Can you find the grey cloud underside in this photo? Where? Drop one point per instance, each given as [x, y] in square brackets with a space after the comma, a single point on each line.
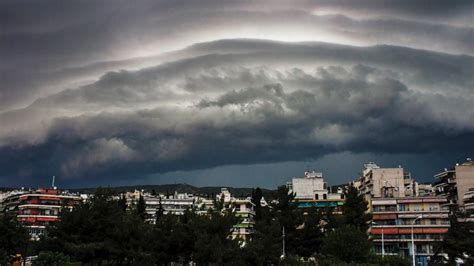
[252, 102]
[48, 46]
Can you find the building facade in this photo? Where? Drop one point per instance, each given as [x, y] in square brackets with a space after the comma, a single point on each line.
[244, 210]
[378, 182]
[394, 219]
[175, 203]
[312, 191]
[455, 183]
[40, 208]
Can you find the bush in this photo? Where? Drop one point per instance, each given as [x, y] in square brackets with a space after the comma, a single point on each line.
[347, 244]
[48, 258]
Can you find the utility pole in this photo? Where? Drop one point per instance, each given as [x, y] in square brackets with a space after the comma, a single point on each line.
[413, 240]
[283, 255]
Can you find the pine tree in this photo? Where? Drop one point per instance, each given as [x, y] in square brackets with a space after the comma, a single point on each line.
[123, 202]
[159, 212]
[458, 242]
[256, 198]
[355, 209]
[141, 207]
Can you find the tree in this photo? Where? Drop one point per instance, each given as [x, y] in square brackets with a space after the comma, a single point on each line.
[266, 245]
[48, 258]
[213, 244]
[14, 238]
[141, 208]
[458, 242]
[256, 198]
[123, 202]
[348, 243]
[311, 235]
[98, 231]
[288, 215]
[355, 209]
[159, 211]
[219, 203]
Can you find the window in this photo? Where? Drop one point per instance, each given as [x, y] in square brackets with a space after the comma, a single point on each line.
[316, 196]
[325, 196]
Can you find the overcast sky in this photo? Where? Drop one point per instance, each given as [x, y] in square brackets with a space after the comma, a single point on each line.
[231, 93]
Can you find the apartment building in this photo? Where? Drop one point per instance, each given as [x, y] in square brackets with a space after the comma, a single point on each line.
[312, 191]
[175, 203]
[244, 210]
[9, 200]
[395, 219]
[378, 182]
[37, 209]
[455, 183]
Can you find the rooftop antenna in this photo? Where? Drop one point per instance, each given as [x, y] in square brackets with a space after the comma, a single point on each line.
[52, 184]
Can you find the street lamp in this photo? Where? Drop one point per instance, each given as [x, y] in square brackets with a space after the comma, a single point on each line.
[413, 239]
[283, 253]
[383, 247]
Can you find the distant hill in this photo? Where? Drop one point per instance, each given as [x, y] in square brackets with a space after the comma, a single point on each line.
[180, 188]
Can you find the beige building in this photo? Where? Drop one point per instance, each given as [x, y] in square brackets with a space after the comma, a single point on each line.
[456, 182]
[378, 182]
[395, 219]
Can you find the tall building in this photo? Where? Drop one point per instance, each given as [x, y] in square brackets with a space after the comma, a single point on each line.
[38, 209]
[312, 191]
[395, 218]
[455, 182]
[468, 201]
[244, 210]
[378, 182]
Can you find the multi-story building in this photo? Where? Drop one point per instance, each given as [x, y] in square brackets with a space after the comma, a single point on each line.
[377, 182]
[425, 190]
[468, 201]
[312, 191]
[175, 203]
[394, 220]
[37, 209]
[455, 183]
[244, 210]
[9, 201]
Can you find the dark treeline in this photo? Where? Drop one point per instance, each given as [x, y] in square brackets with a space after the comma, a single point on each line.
[103, 231]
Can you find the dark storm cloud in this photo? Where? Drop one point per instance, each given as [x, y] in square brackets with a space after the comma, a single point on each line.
[91, 89]
[46, 46]
[254, 102]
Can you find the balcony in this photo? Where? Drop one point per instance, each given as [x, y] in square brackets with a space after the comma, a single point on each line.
[239, 212]
[469, 206]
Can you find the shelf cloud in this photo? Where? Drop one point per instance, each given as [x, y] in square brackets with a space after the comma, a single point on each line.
[110, 93]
